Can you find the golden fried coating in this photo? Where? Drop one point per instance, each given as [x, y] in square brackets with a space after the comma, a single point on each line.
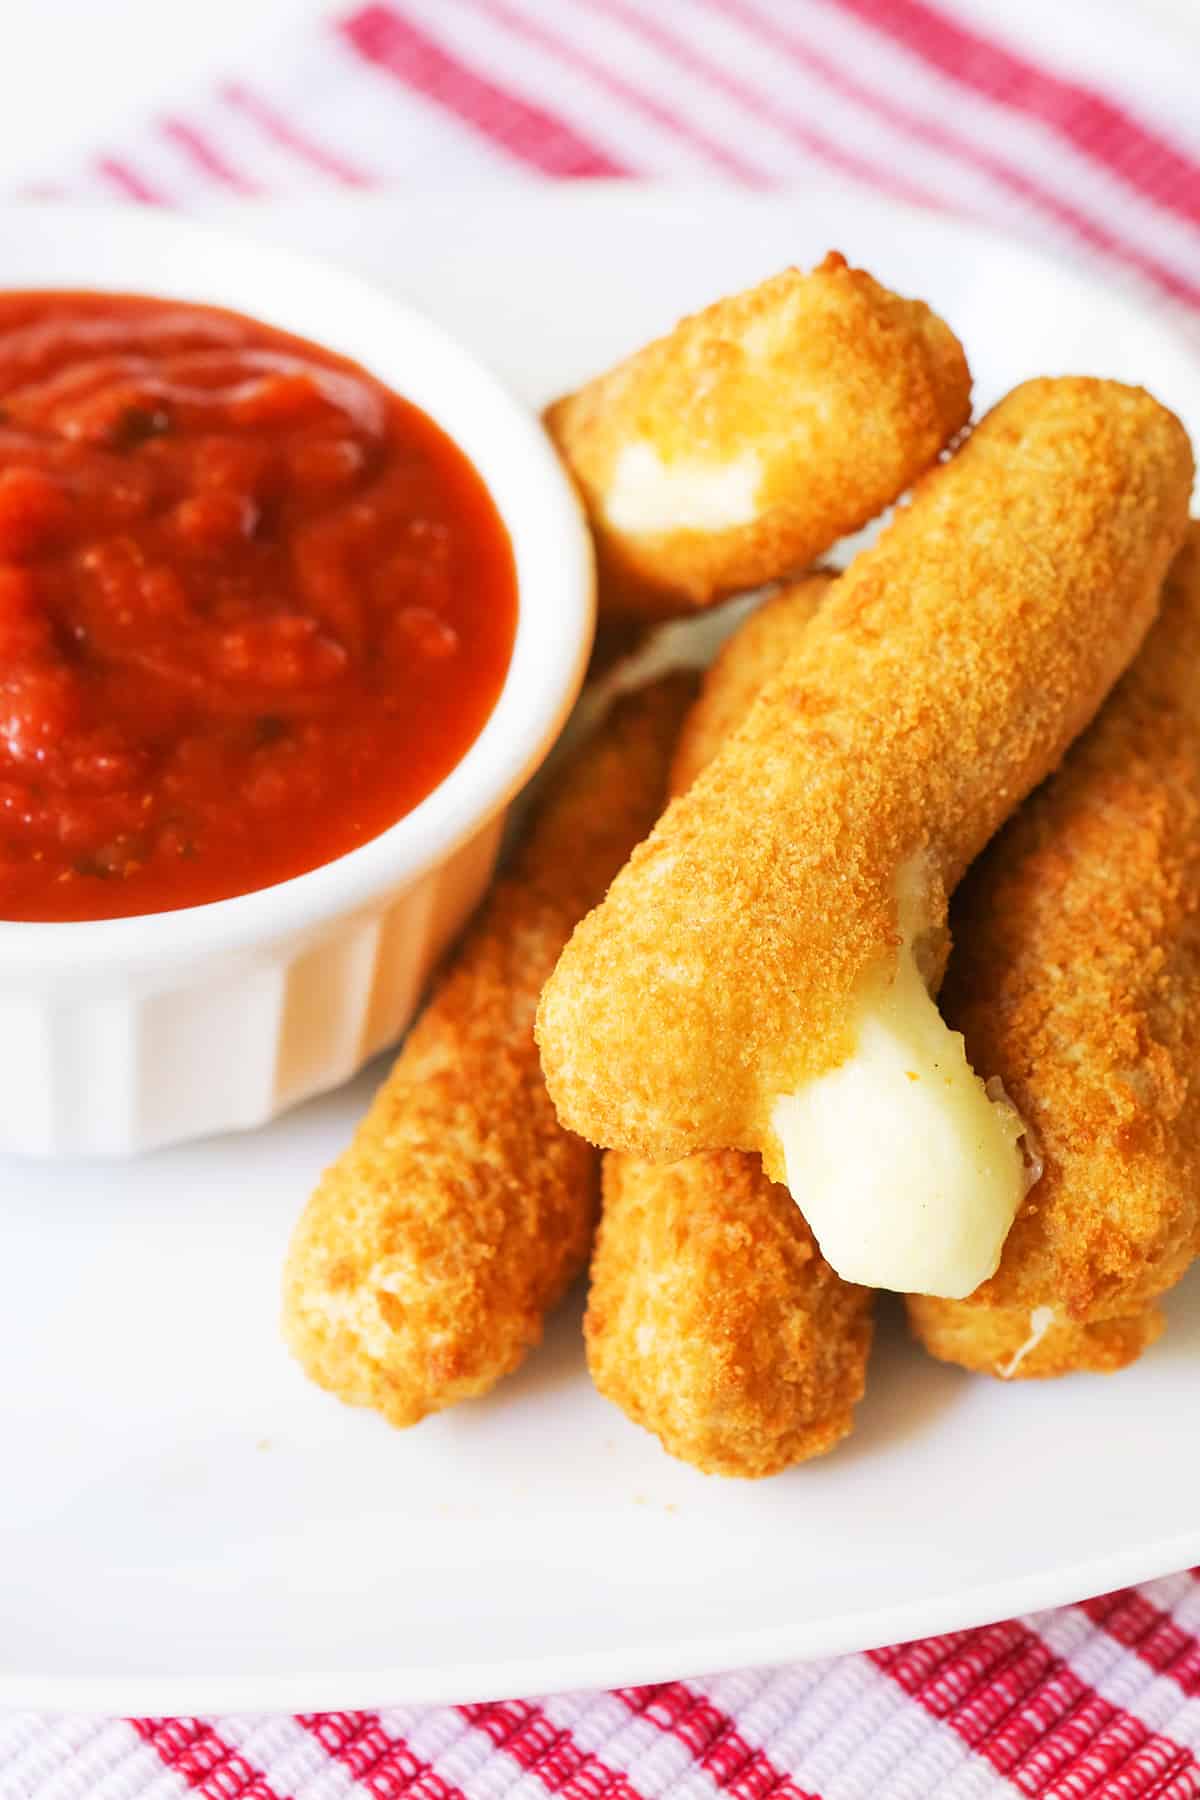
[741, 670]
[1006, 1341]
[1077, 980]
[713, 1320]
[736, 449]
[944, 677]
[420, 1271]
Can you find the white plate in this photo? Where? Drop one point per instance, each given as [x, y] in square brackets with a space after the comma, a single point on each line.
[187, 1526]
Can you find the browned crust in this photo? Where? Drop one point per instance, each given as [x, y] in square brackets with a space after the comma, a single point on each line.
[990, 1340]
[845, 391]
[741, 669]
[419, 1273]
[1077, 980]
[714, 1321]
[945, 676]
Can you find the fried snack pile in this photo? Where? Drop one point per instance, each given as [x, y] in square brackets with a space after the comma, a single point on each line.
[740, 446]
[419, 1274]
[757, 976]
[748, 1008]
[1077, 980]
[713, 1320]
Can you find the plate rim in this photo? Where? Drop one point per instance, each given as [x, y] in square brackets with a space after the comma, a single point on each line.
[528, 1677]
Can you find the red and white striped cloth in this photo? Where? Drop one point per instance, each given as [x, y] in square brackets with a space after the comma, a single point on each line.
[1095, 1702]
[1079, 129]
[911, 97]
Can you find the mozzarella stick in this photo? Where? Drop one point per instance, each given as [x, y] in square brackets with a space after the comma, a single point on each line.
[736, 449]
[758, 975]
[741, 669]
[1022, 1342]
[419, 1274]
[712, 1319]
[1077, 980]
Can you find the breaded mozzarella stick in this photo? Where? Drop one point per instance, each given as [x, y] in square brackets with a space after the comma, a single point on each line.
[741, 669]
[1076, 979]
[713, 1320]
[737, 448]
[419, 1273]
[757, 976]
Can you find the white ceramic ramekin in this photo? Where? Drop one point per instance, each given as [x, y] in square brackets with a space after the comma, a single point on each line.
[120, 1035]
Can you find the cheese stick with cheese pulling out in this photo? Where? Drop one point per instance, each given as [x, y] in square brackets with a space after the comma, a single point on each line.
[758, 976]
[1076, 979]
[739, 447]
[713, 1320]
[421, 1270]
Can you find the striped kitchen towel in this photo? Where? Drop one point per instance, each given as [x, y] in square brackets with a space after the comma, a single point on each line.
[1091, 1702]
[1080, 131]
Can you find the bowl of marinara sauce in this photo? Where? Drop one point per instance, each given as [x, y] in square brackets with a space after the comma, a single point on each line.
[293, 599]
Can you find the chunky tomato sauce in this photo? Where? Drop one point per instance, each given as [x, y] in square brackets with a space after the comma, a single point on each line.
[253, 606]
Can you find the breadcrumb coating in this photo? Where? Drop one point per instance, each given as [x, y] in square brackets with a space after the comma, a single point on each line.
[945, 676]
[742, 668]
[713, 1319]
[1001, 1341]
[823, 395]
[1077, 980]
[420, 1271]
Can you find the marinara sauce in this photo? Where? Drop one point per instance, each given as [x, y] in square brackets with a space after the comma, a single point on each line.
[253, 605]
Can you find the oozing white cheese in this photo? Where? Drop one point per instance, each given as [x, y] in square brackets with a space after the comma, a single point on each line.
[1040, 1321]
[647, 495]
[908, 1174]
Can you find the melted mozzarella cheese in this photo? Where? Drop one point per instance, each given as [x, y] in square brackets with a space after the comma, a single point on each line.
[908, 1173]
[648, 496]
